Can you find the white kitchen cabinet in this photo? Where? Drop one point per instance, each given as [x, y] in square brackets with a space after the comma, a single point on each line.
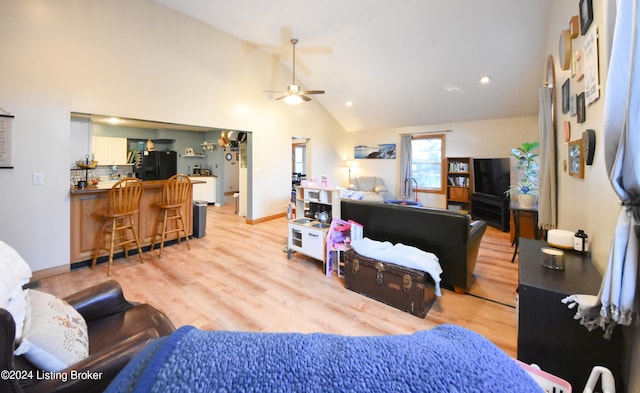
[109, 150]
[204, 191]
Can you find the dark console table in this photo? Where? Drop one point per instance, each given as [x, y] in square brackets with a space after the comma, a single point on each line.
[492, 209]
[547, 333]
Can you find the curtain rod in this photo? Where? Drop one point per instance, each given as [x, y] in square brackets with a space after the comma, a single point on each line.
[426, 133]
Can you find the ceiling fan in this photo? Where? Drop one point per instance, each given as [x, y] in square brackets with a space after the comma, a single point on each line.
[293, 95]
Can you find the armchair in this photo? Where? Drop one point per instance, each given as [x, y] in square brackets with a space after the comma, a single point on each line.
[371, 187]
[117, 330]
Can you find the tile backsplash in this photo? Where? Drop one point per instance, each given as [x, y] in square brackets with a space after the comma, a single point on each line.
[102, 172]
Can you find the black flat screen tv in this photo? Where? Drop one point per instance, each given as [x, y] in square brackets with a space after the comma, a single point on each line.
[491, 176]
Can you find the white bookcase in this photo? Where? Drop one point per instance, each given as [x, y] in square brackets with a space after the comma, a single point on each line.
[307, 233]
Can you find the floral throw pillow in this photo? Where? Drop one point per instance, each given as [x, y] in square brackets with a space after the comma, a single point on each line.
[55, 334]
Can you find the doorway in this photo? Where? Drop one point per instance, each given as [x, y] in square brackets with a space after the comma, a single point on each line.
[236, 163]
[299, 163]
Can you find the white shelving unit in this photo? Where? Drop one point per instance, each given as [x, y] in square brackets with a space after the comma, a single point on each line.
[307, 233]
[312, 199]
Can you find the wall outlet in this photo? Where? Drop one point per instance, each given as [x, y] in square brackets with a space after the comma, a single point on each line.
[37, 178]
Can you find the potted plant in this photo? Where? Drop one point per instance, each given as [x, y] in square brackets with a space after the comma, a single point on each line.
[527, 187]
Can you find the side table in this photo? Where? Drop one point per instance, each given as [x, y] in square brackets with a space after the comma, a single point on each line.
[516, 210]
[547, 333]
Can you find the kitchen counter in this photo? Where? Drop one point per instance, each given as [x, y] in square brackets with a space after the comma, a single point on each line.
[106, 186]
[86, 223]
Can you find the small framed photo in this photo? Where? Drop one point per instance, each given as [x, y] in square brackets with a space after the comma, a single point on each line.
[579, 56]
[566, 93]
[576, 159]
[580, 109]
[573, 109]
[586, 15]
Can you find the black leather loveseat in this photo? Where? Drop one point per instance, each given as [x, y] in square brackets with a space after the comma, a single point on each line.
[451, 236]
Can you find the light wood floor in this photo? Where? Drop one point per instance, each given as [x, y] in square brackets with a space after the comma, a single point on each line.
[237, 277]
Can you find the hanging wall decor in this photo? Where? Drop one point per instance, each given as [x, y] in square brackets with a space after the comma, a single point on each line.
[6, 159]
[588, 146]
[386, 150]
[586, 15]
[579, 58]
[580, 108]
[566, 93]
[591, 77]
[576, 159]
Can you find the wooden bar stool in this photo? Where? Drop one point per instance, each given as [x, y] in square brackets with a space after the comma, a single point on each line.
[174, 194]
[123, 202]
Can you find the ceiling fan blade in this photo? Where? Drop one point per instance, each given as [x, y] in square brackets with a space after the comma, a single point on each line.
[304, 97]
[275, 91]
[281, 97]
[313, 92]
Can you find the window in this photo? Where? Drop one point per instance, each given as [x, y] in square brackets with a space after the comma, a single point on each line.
[427, 157]
[299, 153]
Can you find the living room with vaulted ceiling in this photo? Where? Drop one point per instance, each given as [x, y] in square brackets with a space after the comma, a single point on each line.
[142, 60]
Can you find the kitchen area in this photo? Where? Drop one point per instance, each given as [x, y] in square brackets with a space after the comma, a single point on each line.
[105, 150]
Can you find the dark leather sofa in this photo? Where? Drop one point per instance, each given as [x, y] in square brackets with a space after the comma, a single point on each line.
[118, 330]
[451, 236]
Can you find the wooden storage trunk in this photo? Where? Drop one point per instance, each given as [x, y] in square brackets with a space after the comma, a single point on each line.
[407, 289]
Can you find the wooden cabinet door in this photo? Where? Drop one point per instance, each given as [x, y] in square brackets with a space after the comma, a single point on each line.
[86, 224]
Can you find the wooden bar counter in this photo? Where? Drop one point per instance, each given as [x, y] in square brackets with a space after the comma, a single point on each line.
[87, 204]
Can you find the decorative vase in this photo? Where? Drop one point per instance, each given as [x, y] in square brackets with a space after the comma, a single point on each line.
[526, 200]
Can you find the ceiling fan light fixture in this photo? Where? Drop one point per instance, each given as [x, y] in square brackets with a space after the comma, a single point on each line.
[293, 95]
[293, 99]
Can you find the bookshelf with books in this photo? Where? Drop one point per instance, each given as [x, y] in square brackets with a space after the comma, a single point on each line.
[459, 181]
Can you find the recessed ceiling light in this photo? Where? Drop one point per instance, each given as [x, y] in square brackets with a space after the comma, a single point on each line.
[349, 103]
[485, 79]
[453, 89]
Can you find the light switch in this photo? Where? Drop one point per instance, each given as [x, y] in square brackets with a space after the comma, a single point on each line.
[37, 178]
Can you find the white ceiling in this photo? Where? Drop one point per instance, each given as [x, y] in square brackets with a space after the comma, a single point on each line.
[401, 62]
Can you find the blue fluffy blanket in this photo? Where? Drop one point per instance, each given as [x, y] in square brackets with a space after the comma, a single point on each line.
[445, 359]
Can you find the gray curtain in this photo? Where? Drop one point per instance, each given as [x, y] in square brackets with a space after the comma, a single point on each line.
[405, 165]
[614, 303]
[547, 197]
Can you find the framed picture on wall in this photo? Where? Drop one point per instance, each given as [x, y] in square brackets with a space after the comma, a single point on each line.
[591, 75]
[580, 109]
[586, 15]
[566, 93]
[384, 151]
[6, 159]
[576, 159]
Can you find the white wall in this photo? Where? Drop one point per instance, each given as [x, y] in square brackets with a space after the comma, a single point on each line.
[140, 60]
[480, 139]
[588, 203]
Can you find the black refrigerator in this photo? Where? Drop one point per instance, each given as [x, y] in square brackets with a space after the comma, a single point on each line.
[156, 165]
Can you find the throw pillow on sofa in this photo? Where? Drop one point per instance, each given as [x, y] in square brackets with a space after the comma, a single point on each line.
[55, 334]
[14, 273]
